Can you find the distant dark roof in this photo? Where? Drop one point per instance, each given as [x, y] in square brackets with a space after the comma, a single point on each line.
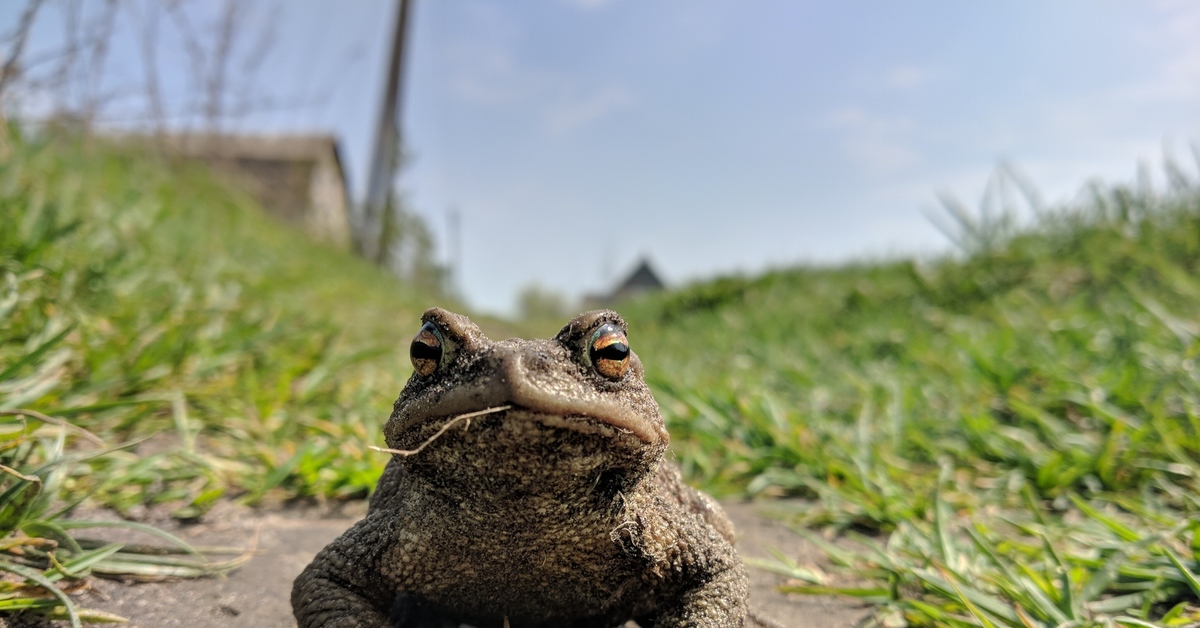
[642, 279]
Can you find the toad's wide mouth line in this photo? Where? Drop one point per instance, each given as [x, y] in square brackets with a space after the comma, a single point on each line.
[462, 417]
[576, 421]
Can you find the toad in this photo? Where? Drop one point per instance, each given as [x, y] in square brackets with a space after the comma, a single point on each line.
[528, 488]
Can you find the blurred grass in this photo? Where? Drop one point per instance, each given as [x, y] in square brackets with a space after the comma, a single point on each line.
[150, 302]
[1011, 434]
[1046, 375]
[215, 352]
[46, 560]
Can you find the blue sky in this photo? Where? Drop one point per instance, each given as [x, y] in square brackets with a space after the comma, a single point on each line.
[720, 136]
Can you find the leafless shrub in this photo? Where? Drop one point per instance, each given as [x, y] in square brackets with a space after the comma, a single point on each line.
[11, 69]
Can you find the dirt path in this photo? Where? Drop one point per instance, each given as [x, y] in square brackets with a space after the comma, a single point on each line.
[256, 596]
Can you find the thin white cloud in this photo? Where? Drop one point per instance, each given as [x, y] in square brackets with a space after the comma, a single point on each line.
[491, 77]
[1178, 78]
[485, 70]
[874, 142]
[481, 65]
[907, 77]
[588, 4]
[574, 113]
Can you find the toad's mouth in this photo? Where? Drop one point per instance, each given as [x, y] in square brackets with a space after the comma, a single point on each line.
[608, 425]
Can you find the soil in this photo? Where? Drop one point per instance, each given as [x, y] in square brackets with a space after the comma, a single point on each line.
[286, 539]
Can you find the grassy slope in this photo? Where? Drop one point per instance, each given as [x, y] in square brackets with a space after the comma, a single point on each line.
[169, 308]
[1025, 422]
[1044, 389]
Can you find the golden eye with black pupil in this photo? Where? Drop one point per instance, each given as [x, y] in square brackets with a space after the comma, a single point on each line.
[426, 350]
[609, 351]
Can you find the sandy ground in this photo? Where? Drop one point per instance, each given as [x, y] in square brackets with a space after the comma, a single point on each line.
[256, 596]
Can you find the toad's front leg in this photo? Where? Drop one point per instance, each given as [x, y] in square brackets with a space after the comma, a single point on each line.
[346, 585]
[716, 602]
[704, 572]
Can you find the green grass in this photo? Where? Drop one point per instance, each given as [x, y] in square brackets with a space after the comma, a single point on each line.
[38, 546]
[1024, 420]
[215, 353]
[148, 302]
[1007, 437]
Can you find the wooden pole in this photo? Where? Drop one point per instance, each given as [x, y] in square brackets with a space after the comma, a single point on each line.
[385, 161]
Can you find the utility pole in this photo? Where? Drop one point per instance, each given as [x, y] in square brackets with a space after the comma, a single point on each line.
[385, 161]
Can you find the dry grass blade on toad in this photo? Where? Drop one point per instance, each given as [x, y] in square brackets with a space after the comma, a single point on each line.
[449, 423]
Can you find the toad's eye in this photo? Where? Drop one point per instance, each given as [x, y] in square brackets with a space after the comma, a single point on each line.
[609, 351]
[426, 350]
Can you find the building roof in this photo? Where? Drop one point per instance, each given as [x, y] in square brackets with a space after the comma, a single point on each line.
[642, 279]
[297, 178]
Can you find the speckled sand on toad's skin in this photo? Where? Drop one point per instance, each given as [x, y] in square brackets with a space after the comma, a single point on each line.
[558, 510]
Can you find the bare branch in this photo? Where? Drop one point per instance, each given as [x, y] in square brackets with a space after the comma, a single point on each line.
[11, 67]
[148, 31]
[262, 46]
[215, 86]
[100, 38]
[191, 43]
[66, 63]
